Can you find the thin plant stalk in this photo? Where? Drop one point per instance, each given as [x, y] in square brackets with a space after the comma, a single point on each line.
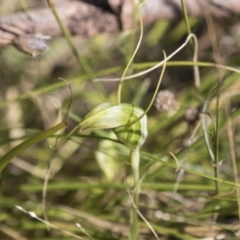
[216, 145]
[232, 151]
[132, 57]
[135, 161]
[212, 144]
[195, 45]
[185, 16]
[134, 225]
[81, 61]
[154, 95]
[190, 36]
[67, 36]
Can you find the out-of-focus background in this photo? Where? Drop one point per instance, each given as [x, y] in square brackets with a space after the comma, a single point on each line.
[183, 195]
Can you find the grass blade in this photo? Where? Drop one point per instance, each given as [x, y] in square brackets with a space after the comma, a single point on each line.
[5, 159]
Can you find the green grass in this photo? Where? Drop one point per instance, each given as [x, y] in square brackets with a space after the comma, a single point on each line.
[182, 197]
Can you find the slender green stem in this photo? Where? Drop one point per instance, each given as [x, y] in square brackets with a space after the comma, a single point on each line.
[81, 61]
[135, 165]
[216, 145]
[212, 146]
[195, 46]
[158, 85]
[67, 36]
[231, 138]
[134, 226]
[186, 16]
[132, 57]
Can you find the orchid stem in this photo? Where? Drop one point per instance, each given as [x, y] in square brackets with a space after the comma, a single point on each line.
[134, 226]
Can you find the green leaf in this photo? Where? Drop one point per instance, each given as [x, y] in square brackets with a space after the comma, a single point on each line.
[5, 159]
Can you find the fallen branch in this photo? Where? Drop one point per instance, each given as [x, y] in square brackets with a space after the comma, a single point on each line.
[89, 18]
